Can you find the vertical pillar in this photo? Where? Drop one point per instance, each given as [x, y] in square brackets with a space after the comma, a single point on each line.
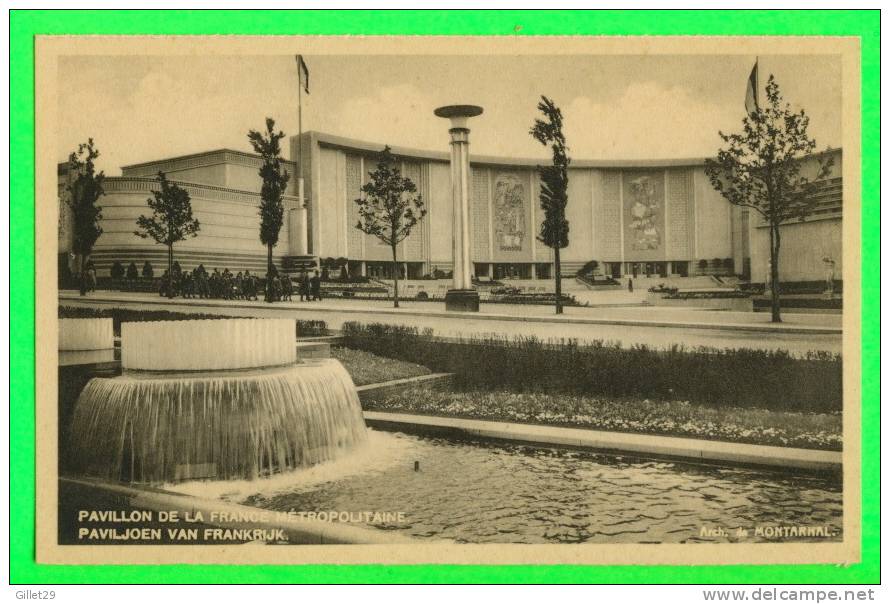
[297, 235]
[462, 296]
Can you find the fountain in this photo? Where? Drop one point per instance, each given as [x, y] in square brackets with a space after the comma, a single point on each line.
[223, 398]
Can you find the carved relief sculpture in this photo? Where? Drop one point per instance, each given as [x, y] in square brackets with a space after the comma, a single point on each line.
[508, 212]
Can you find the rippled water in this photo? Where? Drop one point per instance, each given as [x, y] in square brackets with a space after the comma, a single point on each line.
[483, 492]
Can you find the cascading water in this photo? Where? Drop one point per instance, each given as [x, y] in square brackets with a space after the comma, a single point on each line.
[238, 411]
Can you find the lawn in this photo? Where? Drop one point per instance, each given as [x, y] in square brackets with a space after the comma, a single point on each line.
[366, 368]
[670, 418]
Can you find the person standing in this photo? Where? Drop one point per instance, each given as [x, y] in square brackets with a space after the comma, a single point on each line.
[304, 286]
[315, 286]
[91, 276]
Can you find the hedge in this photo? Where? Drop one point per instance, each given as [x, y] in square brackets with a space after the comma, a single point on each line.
[722, 377]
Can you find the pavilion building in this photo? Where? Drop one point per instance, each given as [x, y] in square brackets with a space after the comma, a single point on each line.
[639, 217]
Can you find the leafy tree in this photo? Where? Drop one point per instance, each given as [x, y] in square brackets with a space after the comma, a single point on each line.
[389, 208]
[761, 169]
[148, 271]
[84, 190]
[274, 185]
[171, 220]
[554, 186]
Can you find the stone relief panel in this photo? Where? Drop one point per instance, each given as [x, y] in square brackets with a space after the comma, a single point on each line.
[643, 207]
[510, 214]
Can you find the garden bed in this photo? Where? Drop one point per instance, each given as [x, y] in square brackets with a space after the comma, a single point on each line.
[667, 418]
[366, 368]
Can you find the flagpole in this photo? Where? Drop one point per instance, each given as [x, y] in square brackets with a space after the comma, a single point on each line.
[303, 210]
[300, 128]
[300, 132]
[757, 81]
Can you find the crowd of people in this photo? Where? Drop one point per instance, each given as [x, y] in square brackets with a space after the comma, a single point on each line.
[200, 283]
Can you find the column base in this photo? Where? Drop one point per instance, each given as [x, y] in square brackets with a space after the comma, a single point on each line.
[462, 300]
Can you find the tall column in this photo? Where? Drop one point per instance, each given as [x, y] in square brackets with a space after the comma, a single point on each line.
[463, 296]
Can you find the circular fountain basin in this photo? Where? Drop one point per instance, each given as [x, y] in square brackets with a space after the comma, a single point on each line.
[208, 345]
[85, 334]
[218, 399]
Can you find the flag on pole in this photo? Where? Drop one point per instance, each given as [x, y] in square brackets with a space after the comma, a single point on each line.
[304, 73]
[751, 104]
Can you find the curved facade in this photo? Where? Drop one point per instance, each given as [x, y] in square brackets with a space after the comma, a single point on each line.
[658, 217]
[633, 218]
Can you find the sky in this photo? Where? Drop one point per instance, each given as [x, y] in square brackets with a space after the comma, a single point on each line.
[141, 108]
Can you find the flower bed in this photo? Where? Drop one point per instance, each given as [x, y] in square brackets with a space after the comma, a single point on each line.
[366, 368]
[669, 418]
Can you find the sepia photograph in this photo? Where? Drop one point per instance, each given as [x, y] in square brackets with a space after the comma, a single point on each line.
[406, 300]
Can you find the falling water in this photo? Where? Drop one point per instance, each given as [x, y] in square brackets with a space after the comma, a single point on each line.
[148, 427]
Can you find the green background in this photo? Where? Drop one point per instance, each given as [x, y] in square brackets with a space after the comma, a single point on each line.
[24, 25]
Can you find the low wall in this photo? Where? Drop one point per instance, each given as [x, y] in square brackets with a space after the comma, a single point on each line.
[735, 304]
[376, 392]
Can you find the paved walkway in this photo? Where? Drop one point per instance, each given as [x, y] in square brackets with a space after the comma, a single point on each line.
[654, 326]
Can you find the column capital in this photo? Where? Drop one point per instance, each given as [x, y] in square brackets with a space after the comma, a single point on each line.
[460, 135]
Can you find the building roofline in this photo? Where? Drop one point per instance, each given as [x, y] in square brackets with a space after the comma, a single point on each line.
[340, 142]
[200, 154]
[351, 144]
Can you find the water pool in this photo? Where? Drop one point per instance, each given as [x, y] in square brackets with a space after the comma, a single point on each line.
[484, 492]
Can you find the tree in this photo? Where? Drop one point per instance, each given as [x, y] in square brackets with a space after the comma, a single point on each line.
[761, 169]
[171, 220]
[84, 190]
[389, 208]
[148, 271]
[274, 184]
[554, 187]
[132, 272]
